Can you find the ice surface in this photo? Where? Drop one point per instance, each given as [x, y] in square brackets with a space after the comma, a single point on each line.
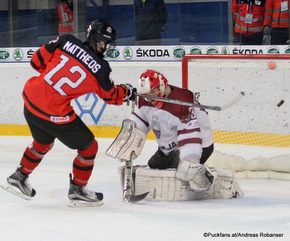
[264, 209]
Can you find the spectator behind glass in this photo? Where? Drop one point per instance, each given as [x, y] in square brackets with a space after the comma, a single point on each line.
[249, 16]
[277, 15]
[151, 16]
[62, 18]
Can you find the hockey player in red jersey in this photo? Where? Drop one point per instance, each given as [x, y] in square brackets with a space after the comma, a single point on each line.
[68, 69]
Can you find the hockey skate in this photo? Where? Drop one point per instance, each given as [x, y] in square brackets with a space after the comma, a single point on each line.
[80, 196]
[18, 184]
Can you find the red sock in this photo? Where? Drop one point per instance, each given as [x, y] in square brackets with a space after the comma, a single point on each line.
[84, 163]
[33, 156]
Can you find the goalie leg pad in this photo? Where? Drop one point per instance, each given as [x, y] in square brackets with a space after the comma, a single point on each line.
[237, 191]
[226, 186]
[163, 186]
[200, 177]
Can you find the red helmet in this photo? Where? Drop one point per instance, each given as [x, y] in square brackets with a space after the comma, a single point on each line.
[151, 80]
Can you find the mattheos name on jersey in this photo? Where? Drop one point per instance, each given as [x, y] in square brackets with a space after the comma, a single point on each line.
[82, 55]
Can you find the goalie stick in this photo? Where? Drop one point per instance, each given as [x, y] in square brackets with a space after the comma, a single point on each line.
[128, 195]
[209, 107]
[116, 151]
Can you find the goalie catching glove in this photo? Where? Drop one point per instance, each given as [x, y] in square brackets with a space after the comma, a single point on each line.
[199, 177]
[129, 92]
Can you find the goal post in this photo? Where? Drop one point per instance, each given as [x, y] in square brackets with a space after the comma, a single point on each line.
[253, 135]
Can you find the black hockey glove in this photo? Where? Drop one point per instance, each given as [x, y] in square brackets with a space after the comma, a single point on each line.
[129, 92]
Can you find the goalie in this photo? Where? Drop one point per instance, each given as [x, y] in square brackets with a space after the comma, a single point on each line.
[177, 170]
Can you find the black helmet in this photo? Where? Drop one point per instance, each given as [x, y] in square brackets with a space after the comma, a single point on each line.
[101, 31]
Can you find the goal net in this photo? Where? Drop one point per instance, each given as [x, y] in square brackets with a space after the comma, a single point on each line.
[253, 135]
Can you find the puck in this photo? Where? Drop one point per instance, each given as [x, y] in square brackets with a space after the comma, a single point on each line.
[280, 103]
[272, 65]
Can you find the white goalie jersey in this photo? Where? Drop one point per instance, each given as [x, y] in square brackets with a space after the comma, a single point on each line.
[174, 126]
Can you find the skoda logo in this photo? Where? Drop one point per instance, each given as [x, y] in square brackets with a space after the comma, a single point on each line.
[17, 54]
[127, 53]
[225, 50]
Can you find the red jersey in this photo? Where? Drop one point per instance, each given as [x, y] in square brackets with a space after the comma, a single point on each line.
[68, 69]
[66, 18]
[184, 113]
[249, 16]
[276, 14]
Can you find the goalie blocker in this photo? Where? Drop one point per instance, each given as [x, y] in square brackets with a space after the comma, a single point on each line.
[163, 185]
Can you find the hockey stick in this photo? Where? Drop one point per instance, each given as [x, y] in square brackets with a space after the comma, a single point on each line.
[210, 107]
[128, 195]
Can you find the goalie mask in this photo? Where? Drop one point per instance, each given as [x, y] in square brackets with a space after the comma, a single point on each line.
[153, 83]
[101, 34]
